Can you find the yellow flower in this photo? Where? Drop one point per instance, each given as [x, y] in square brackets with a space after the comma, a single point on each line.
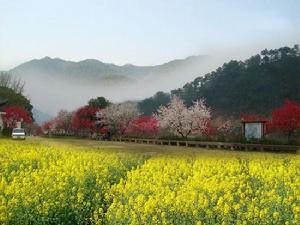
[97, 185]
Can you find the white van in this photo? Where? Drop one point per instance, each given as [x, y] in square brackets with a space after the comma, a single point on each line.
[18, 133]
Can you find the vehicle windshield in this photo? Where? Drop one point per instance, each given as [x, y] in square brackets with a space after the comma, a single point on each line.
[18, 130]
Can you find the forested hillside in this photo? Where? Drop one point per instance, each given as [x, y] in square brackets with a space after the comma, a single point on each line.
[11, 92]
[256, 85]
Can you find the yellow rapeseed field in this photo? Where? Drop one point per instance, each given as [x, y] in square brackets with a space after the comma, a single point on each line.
[63, 184]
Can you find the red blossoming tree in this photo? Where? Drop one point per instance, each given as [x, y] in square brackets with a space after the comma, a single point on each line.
[287, 118]
[84, 120]
[143, 126]
[14, 114]
[49, 126]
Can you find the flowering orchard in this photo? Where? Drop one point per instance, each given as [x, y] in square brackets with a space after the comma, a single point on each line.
[66, 184]
[181, 120]
[119, 116]
[92, 119]
[175, 119]
[143, 126]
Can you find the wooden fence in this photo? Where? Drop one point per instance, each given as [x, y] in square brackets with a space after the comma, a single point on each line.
[214, 145]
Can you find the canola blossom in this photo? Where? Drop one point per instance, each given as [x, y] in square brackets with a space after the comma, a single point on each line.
[215, 189]
[57, 185]
[64, 185]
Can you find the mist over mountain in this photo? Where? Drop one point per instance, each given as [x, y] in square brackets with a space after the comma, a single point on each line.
[95, 69]
[53, 84]
[40, 117]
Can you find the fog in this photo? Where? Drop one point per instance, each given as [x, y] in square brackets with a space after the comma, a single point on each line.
[49, 94]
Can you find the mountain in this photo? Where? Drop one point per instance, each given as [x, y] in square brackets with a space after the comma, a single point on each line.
[93, 69]
[256, 85]
[89, 69]
[53, 84]
[40, 117]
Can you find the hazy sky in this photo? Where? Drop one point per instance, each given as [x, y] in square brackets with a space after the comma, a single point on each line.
[142, 32]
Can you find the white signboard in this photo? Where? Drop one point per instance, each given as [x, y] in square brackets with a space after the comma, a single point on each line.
[18, 125]
[253, 130]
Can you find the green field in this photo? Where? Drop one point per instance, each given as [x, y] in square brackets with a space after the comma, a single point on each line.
[73, 181]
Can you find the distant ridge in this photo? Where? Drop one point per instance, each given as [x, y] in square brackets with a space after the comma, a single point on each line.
[40, 117]
[95, 69]
[53, 83]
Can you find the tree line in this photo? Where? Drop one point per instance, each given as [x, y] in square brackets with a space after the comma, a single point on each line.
[103, 119]
[209, 107]
[13, 103]
[256, 85]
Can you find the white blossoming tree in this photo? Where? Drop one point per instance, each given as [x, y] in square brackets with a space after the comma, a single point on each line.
[118, 116]
[181, 120]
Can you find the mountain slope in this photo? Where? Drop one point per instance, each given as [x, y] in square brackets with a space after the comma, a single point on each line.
[53, 84]
[256, 85]
[94, 69]
[40, 117]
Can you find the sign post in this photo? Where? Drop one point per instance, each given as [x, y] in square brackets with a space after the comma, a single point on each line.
[1, 121]
[254, 127]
